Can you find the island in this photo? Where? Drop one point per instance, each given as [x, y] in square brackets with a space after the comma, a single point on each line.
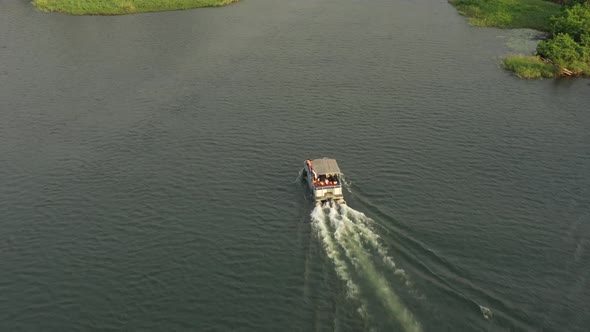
[566, 49]
[120, 7]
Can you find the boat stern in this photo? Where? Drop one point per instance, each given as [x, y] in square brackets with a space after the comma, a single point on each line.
[325, 180]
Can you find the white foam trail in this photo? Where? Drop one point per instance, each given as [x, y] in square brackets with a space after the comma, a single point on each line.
[351, 230]
[318, 218]
[353, 217]
[380, 284]
[486, 312]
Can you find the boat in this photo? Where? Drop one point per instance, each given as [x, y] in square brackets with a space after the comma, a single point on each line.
[324, 178]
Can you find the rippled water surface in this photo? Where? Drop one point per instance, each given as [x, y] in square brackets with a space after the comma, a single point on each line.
[148, 173]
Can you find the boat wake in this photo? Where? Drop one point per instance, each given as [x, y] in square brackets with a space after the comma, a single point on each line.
[362, 262]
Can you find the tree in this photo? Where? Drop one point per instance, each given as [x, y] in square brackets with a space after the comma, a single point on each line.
[574, 21]
[565, 52]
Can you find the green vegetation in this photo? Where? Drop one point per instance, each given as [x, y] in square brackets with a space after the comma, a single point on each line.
[566, 53]
[117, 7]
[533, 14]
[529, 66]
[569, 47]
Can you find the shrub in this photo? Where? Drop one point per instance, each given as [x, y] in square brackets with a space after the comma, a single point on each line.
[563, 50]
[574, 21]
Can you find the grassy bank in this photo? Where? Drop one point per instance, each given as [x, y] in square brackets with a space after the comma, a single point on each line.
[118, 7]
[567, 50]
[529, 66]
[532, 14]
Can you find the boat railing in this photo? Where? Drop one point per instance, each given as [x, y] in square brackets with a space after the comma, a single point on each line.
[329, 186]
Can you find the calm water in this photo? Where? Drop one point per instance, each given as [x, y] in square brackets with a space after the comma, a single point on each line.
[148, 169]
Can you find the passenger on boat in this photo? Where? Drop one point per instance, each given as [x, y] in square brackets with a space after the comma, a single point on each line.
[316, 181]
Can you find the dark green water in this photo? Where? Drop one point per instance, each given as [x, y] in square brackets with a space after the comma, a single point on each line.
[148, 169]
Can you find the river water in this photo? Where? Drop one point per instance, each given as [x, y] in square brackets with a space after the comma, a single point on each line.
[149, 163]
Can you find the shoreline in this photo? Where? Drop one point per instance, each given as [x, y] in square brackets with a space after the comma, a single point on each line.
[507, 14]
[566, 50]
[122, 7]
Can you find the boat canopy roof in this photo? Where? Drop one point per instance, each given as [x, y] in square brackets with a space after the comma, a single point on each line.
[325, 166]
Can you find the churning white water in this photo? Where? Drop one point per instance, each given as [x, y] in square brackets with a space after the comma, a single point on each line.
[360, 259]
